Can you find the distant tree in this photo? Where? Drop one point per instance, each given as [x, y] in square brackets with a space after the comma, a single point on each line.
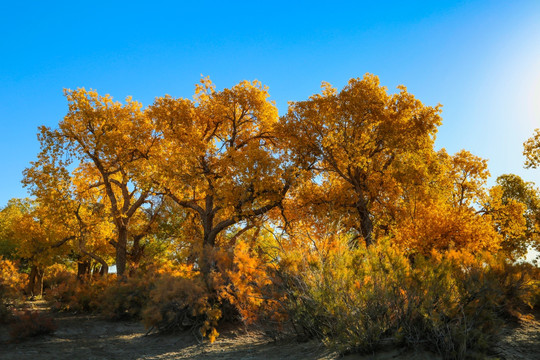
[514, 190]
[37, 238]
[531, 150]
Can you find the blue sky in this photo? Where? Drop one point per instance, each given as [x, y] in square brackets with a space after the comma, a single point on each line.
[480, 59]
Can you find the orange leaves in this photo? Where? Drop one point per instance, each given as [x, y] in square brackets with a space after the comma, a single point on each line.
[354, 139]
[11, 281]
[106, 145]
[31, 323]
[243, 281]
[342, 207]
[178, 303]
[218, 157]
[469, 174]
[442, 227]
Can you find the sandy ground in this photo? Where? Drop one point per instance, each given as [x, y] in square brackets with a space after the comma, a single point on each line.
[87, 337]
[520, 342]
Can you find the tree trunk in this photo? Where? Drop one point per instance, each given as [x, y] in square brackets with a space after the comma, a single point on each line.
[104, 270]
[207, 261]
[121, 253]
[366, 225]
[32, 280]
[36, 275]
[103, 263]
[83, 268]
[40, 275]
[137, 250]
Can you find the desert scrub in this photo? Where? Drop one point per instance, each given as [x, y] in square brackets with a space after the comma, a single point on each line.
[55, 275]
[128, 299]
[76, 296]
[452, 303]
[243, 284]
[180, 304]
[26, 324]
[11, 288]
[348, 298]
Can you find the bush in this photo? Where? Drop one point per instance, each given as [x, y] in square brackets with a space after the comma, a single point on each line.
[74, 295]
[180, 304]
[354, 300]
[11, 287]
[31, 323]
[244, 286]
[56, 275]
[168, 301]
[346, 298]
[126, 300]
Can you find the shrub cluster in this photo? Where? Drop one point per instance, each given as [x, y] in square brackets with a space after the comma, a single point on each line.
[11, 287]
[170, 299]
[28, 323]
[453, 304]
[354, 300]
[79, 296]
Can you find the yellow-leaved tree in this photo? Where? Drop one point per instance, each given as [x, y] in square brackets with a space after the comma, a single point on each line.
[98, 149]
[520, 200]
[37, 236]
[218, 159]
[350, 143]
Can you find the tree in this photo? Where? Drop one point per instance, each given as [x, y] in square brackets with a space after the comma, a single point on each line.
[37, 238]
[443, 206]
[98, 148]
[76, 209]
[523, 198]
[218, 158]
[468, 174]
[531, 150]
[351, 143]
[8, 214]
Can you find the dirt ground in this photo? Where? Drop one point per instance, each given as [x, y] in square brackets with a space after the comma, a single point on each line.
[521, 341]
[88, 337]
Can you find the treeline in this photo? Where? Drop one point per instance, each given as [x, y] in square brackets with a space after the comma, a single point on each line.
[338, 218]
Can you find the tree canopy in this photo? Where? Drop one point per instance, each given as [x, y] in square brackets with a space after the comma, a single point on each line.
[197, 176]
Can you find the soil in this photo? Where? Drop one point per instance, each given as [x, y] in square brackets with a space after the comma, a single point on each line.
[520, 341]
[90, 337]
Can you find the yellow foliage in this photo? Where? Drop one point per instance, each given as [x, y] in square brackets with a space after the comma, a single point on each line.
[451, 301]
[12, 282]
[218, 159]
[340, 215]
[352, 142]
[177, 303]
[442, 227]
[244, 281]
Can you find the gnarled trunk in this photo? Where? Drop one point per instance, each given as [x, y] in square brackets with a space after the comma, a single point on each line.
[83, 269]
[35, 277]
[366, 224]
[121, 253]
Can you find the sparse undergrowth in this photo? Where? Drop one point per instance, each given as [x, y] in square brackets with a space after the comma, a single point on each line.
[26, 324]
[353, 301]
[453, 304]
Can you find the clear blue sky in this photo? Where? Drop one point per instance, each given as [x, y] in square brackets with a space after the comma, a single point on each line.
[480, 59]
